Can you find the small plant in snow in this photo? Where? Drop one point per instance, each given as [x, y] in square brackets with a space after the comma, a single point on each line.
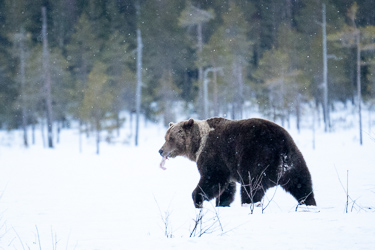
[165, 218]
[351, 204]
[204, 224]
[254, 185]
[167, 227]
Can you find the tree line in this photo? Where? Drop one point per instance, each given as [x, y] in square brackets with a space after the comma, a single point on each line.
[209, 57]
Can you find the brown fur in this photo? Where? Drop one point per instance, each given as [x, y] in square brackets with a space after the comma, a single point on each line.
[239, 151]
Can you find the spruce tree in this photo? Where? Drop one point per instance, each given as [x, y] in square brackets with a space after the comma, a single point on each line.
[230, 49]
[363, 40]
[97, 100]
[82, 51]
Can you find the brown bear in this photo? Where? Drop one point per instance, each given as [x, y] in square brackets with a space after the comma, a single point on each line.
[257, 153]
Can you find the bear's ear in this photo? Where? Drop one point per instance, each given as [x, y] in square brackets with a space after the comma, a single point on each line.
[171, 124]
[188, 124]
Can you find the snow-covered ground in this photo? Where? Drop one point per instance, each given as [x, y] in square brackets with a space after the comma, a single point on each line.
[121, 199]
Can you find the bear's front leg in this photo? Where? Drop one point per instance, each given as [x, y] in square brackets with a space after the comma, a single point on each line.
[207, 189]
[198, 198]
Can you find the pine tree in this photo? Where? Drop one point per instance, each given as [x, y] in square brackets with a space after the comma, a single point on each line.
[283, 78]
[274, 71]
[97, 101]
[293, 44]
[82, 51]
[47, 79]
[192, 16]
[20, 40]
[61, 83]
[309, 23]
[13, 47]
[118, 57]
[64, 16]
[167, 47]
[230, 49]
[362, 40]
[168, 93]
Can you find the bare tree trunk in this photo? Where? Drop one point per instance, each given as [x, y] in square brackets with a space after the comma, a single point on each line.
[369, 119]
[33, 133]
[58, 132]
[21, 42]
[139, 84]
[131, 122]
[42, 132]
[359, 86]
[80, 135]
[205, 90]
[215, 95]
[118, 123]
[314, 110]
[287, 13]
[325, 71]
[98, 129]
[274, 113]
[282, 100]
[298, 111]
[205, 93]
[200, 72]
[234, 91]
[167, 97]
[240, 88]
[47, 79]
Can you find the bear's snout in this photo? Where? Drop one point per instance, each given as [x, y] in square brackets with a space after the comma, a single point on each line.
[161, 152]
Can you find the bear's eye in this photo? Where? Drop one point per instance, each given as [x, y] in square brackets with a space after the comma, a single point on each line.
[171, 138]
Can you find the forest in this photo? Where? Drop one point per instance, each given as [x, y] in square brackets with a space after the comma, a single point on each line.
[65, 61]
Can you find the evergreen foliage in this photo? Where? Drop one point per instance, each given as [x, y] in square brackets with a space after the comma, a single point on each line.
[264, 54]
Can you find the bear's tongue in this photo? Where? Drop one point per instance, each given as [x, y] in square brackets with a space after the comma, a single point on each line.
[163, 162]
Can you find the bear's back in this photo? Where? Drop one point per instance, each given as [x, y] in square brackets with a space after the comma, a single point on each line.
[248, 135]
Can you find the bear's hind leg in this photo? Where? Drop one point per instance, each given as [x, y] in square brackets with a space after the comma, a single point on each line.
[300, 187]
[226, 197]
[303, 195]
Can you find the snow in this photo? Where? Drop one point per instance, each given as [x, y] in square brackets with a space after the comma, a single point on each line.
[120, 199]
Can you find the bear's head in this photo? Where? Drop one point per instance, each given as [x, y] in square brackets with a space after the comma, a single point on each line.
[176, 139]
